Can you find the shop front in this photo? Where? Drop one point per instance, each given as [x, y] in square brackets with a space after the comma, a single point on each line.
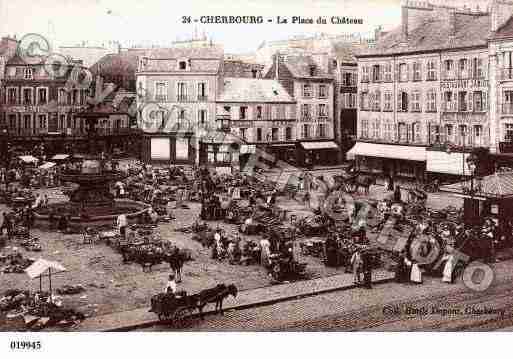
[390, 159]
[168, 149]
[318, 153]
[446, 165]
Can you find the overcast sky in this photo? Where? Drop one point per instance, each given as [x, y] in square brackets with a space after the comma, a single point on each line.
[69, 22]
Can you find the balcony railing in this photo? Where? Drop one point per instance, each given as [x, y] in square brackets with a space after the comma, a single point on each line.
[202, 98]
[449, 107]
[182, 98]
[161, 98]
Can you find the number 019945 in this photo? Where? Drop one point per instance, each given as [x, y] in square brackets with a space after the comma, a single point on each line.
[25, 345]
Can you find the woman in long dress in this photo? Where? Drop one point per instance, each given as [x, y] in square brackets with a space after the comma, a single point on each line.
[448, 268]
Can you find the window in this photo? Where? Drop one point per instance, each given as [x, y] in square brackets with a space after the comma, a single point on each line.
[41, 96]
[365, 74]
[431, 71]
[12, 96]
[508, 132]
[224, 154]
[182, 65]
[323, 112]
[181, 91]
[431, 101]
[403, 101]
[27, 96]
[462, 134]
[388, 101]
[415, 101]
[463, 68]
[202, 91]
[274, 134]
[478, 132]
[322, 130]
[28, 73]
[449, 133]
[388, 131]
[305, 131]
[403, 132]
[375, 101]
[416, 132]
[307, 90]
[376, 129]
[477, 68]
[403, 72]
[243, 110]
[42, 121]
[435, 134]
[258, 112]
[478, 101]
[288, 133]
[323, 92]
[243, 132]
[388, 73]
[305, 111]
[462, 101]
[364, 102]
[27, 120]
[449, 69]
[365, 129]
[348, 79]
[62, 96]
[62, 121]
[12, 121]
[376, 73]
[202, 117]
[449, 104]
[416, 71]
[350, 100]
[259, 134]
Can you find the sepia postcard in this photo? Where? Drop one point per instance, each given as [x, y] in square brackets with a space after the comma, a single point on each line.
[254, 166]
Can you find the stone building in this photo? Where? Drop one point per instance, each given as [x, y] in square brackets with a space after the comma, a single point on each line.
[423, 93]
[310, 83]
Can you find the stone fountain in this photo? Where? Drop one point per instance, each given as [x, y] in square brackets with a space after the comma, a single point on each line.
[92, 203]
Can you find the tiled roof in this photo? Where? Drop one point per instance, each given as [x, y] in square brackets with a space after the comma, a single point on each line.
[253, 90]
[118, 68]
[505, 31]
[299, 67]
[498, 185]
[210, 52]
[435, 34]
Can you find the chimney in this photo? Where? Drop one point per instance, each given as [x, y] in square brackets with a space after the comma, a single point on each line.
[404, 21]
[377, 33]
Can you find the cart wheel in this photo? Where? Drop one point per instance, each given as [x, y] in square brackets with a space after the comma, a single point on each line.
[179, 317]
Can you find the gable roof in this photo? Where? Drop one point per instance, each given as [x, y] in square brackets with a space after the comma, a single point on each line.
[237, 89]
[505, 31]
[299, 67]
[434, 33]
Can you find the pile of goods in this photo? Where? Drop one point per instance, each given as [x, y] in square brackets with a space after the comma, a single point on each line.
[70, 289]
[14, 262]
[31, 244]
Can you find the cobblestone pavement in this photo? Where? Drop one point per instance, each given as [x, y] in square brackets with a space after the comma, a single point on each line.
[384, 308]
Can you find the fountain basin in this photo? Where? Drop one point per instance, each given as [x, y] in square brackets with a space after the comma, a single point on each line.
[90, 214]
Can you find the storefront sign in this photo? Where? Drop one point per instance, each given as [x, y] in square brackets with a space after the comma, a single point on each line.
[464, 117]
[281, 123]
[463, 84]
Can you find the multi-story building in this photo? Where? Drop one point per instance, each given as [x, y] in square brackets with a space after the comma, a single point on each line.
[310, 83]
[176, 91]
[260, 113]
[423, 93]
[41, 107]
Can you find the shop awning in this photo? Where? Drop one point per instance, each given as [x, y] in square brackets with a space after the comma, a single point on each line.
[28, 159]
[324, 145]
[47, 165]
[496, 186]
[60, 157]
[39, 267]
[448, 163]
[411, 153]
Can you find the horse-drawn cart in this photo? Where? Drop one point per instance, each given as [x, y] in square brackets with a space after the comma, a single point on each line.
[174, 307]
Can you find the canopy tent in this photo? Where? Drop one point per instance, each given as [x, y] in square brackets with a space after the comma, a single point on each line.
[402, 152]
[28, 159]
[496, 186]
[40, 267]
[47, 165]
[60, 157]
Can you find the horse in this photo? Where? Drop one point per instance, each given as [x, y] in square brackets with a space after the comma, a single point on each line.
[176, 259]
[365, 182]
[216, 295]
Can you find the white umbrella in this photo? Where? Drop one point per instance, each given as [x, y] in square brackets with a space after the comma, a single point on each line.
[39, 267]
[47, 165]
[60, 156]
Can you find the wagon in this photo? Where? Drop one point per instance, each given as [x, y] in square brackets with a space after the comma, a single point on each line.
[174, 308]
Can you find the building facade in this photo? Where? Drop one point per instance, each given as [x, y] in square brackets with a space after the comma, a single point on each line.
[424, 93]
[176, 98]
[311, 85]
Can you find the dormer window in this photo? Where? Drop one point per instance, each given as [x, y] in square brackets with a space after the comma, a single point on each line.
[28, 74]
[182, 65]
